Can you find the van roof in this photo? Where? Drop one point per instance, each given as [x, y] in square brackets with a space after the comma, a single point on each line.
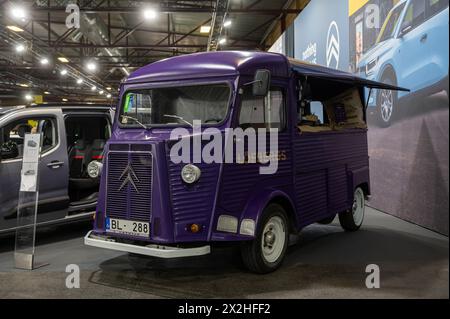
[228, 63]
[210, 64]
[65, 107]
[7, 109]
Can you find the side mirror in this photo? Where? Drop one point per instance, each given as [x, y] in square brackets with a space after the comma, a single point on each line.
[261, 83]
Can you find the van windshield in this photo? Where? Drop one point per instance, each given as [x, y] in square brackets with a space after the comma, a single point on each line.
[175, 105]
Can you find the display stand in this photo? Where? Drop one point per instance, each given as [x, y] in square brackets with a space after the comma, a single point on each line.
[28, 204]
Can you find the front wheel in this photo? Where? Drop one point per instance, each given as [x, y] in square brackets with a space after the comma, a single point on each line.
[386, 103]
[266, 252]
[352, 219]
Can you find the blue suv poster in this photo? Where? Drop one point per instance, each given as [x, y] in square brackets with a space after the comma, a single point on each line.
[405, 43]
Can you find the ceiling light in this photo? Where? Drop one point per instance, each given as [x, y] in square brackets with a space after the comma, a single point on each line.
[150, 14]
[222, 41]
[14, 28]
[46, 92]
[108, 95]
[64, 100]
[18, 12]
[24, 85]
[101, 92]
[79, 81]
[91, 66]
[93, 88]
[227, 24]
[205, 29]
[44, 61]
[63, 72]
[108, 88]
[20, 47]
[63, 59]
[28, 97]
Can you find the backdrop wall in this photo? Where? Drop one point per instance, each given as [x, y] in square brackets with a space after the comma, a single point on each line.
[406, 43]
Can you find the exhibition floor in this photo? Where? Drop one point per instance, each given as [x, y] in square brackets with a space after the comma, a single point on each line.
[325, 263]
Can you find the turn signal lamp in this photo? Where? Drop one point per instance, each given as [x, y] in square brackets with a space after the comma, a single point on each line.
[194, 228]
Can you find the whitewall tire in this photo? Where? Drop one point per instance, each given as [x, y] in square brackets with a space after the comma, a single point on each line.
[352, 219]
[266, 252]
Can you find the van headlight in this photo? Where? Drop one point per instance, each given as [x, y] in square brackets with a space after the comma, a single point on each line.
[94, 169]
[190, 173]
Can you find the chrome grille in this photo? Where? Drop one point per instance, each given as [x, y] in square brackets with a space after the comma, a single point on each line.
[127, 202]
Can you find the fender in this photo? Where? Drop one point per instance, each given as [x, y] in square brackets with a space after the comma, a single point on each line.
[387, 66]
[358, 177]
[259, 201]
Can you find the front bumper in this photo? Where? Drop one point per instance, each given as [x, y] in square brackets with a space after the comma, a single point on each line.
[148, 250]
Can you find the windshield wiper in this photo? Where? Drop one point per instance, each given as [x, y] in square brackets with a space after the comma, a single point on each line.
[135, 120]
[178, 118]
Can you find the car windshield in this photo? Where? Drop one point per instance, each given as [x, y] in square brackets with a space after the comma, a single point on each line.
[175, 105]
[389, 26]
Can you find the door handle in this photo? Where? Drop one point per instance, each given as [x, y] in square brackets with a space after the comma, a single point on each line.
[55, 164]
[424, 38]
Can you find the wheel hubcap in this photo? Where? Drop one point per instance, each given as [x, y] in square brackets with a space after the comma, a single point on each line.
[273, 239]
[269, 238]
[358, 207]
[387, 102]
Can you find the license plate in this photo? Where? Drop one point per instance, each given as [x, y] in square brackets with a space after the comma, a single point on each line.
[128, 227]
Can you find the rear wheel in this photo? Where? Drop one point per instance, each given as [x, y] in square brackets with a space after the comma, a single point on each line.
[352, 219]
[266, 252]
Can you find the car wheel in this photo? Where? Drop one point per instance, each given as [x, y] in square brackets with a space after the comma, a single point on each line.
[352, 219]
[266, 252]
[386, 103]
[326, 221]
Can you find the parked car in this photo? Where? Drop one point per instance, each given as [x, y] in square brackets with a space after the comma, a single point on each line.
[72, 135]
[412, 50]
[153, 205]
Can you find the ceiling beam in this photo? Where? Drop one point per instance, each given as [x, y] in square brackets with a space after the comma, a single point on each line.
[124, 46]
[217, 20]
[138, 10]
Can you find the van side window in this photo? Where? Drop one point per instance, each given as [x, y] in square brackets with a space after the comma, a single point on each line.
[259, 112]
[86, 139]
[313, 117]
[14, 135]
[344, 111]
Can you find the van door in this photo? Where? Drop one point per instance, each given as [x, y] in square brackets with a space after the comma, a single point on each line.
[242, 179]
[53, 171]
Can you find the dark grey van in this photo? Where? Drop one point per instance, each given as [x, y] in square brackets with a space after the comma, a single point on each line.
[72, 137]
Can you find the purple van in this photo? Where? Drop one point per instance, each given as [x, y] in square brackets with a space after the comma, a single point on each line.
[151, 204]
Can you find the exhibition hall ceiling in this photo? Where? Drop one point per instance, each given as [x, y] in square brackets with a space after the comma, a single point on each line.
[44, 52]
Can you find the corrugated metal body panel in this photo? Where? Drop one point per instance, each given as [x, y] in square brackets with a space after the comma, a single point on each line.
[323, 163]
[240, 180]
[193, 202]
